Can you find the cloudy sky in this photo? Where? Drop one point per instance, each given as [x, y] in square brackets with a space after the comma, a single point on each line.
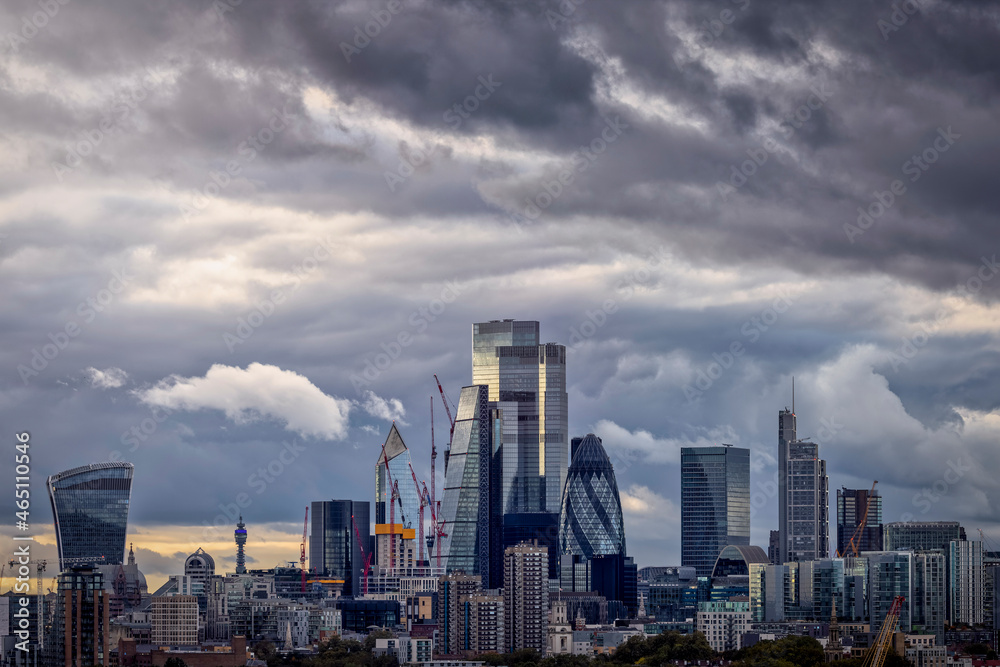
[214, 219]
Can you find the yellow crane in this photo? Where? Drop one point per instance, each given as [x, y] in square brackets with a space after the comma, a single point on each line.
[880, 649]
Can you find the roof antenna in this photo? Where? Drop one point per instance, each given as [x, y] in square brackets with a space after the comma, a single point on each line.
[793, 394]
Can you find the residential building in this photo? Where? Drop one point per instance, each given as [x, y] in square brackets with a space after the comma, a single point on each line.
[965, 582]
[334, 549]
[174, 620]
[406, 512]
[451, 589]
[852, 507]
[81, 621]
[526, 597]
[723, 623]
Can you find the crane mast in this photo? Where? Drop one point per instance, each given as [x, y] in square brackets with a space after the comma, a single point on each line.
[875, 657]
[302, 548]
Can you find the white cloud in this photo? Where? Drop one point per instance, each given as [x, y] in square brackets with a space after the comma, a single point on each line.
[390, 409]
[259, 391]
[650, 517]
[109, 378]
[623, 445]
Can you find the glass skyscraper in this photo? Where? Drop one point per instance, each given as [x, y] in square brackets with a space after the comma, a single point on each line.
[803, 496]
[851, 504]
[398, 456]
[333, 545]
[715, 503]
[591, 520]
[470, 508]
[90, 509]
[527, 381]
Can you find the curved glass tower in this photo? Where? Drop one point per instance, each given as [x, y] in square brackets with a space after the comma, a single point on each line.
[591, 520]
[90, 508]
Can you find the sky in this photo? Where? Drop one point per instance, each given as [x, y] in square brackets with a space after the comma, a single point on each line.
[238, 239]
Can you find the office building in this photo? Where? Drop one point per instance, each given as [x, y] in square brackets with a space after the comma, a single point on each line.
[452, 588]
[852, 505]
[965, 582]
[90, 509]
[527, 381]
[174, 620]
[395, 452]
[240, 535]
[540, 527]
[526, 597]
[921, 535]
[803, 496]
[715, 503]
[81, 621]
[470, 507]
[334, 551]
[591, 522]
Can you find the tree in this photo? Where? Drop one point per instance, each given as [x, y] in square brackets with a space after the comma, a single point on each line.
[791, 651]
[175, 662]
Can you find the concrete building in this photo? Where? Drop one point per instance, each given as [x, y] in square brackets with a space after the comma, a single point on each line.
[81, 621]
[451, 589]
[723, 623]
[481, 624]
[174, 620]
[526, 597]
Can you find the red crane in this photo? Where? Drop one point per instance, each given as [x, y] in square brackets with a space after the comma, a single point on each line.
[447, 411]
[394, 498]
[302, 549]
[366, 558]
[434, 454]
[423, 504]
[437, 529]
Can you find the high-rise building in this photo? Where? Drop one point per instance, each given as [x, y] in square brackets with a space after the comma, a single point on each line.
[591, 521]
[851, 508]
[715, 503]
[929, 594]
[333, 546]
[965, 582]
[526, 597]
[407, 508]
[470, 508]
[452, 588]
[90, 509]
[803, 496]
[921, 535]
[81, 622]
[241, 542]
[890, 574]
[527, 380]
[481, 624]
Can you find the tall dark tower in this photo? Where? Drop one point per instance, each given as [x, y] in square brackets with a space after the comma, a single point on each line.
[241, 541]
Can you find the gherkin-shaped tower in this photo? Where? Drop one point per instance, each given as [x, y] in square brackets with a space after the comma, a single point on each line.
[591, 522]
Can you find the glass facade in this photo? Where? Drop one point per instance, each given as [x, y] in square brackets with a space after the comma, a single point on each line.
[921, 535]
[591, 521]
[527, 381]
[470, 505]
[333, 545]
[803, 496]
[851, 504]
[715, 503]
[890, 574]
[395, 451]
[90, 509]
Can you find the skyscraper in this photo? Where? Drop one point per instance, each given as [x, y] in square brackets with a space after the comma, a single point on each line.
[715, 503]
[591, 521]
[81, 622]
[90, 509]
[921, 535]
[965, 582]
[241, 540]
[396, 453]
[470, 508]
[803, 496]
[851, 504]
[333, 545]
[527, 380]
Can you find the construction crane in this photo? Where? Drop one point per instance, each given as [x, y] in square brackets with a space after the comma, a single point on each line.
[861, 525]
[447, 411]
[437, 528]
[365, 557]
[302, 549]
[423, 504]
[880, 649]
[434, 455]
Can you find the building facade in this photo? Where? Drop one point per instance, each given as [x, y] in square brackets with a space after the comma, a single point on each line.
[90, 508]
[723, 624]
[803, 496]
[591, 522]
[965, 582]
[526, 597]
[527, 381]
[851, 507]
[174, 620]
[452, 588]
[715, 503]
[81, 621]
[921, 535]
[470, 507]
[334, 551]
[395, 454]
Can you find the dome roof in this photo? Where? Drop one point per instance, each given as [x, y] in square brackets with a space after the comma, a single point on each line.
[200, 560]
[591, 523]
[735, 559]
